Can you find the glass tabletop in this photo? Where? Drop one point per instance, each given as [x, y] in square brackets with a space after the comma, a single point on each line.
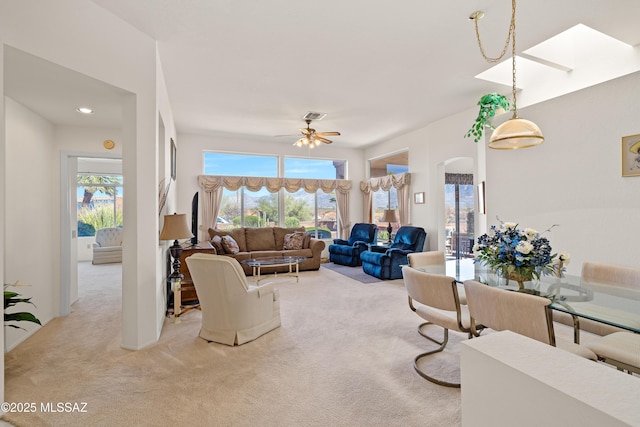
[606, 304]
[276, 260]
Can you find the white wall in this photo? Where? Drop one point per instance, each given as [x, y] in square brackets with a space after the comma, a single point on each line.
[190, 163]
[574, 178]
[31, 236]
[115, 53]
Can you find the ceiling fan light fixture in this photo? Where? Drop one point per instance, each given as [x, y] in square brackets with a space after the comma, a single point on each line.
[516, 133]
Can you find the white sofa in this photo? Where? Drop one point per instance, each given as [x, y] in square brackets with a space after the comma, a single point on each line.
[108, 246]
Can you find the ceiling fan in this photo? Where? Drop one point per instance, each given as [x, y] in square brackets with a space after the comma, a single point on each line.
[311, 138]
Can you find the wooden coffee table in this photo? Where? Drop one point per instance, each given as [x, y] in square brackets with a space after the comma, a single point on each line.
[257, 264]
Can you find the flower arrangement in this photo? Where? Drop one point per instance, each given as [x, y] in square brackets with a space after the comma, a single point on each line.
[516, 254]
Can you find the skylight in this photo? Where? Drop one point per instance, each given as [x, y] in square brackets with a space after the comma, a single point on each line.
[572, 60]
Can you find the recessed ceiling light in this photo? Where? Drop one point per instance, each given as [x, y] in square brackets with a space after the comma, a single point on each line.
[84, 110]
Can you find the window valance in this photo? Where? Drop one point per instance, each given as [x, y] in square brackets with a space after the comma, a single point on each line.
[458, 178]
[211, 183]
[385, 183]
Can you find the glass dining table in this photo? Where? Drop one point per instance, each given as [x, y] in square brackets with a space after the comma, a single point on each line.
[619, 307]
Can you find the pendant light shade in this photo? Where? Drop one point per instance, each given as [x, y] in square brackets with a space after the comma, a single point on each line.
[516, 133]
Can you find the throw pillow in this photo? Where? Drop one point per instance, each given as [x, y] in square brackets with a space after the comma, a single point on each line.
[293, 241]
[230, 245]
[217, 244]
[307, 241]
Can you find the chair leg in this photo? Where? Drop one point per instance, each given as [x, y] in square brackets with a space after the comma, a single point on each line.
[442, 345]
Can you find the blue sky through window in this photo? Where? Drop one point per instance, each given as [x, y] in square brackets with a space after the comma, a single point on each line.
[240, 165]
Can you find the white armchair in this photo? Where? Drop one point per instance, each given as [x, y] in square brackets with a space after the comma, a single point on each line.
[233, 311]
[108, 246]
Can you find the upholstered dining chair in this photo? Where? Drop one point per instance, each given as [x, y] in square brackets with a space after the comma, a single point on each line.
[233, 311]
[427, 258]
[608, 279]
[435, 298]
[620, 349]
[347, 252]
[525, 314]
[435, 260]
[386, 263]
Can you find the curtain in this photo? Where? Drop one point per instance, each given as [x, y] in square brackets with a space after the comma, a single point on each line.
[212, 186]
[458, 178]
[400, 182]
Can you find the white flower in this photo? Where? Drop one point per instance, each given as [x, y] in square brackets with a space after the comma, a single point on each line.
[476, 247]
[530, 233]
[565, 257]
[524, 247]
[510, 225]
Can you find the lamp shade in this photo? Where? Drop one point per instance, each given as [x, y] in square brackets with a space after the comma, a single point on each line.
[175, 227]
[516, 133]
[389, 215]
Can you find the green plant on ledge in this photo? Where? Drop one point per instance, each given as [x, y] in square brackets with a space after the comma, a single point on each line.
[489, 104]
[11, 299]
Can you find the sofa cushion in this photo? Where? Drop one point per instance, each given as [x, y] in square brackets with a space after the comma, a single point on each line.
[293, 241]
[216, 242]
[230, 245]
[260, 239]
[307, 240]
[237, 234]
[280, 232]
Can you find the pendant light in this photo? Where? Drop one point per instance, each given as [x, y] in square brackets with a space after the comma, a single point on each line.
[515, 132]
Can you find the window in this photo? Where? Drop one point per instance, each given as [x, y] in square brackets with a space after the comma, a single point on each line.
[384, 200]
[459, 214]
[240, 164]
[243, 208]
[295, 167]
[316, 212]
[99, 203]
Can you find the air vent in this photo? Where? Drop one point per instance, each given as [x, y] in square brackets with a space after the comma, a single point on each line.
[314, 116]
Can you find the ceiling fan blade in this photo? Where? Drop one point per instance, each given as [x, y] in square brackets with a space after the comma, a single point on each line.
[328, 133]
[307, 131]
[325, 140]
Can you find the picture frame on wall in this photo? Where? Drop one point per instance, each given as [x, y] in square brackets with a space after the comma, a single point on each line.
[173, 160]
[631, 155]
[418, 198]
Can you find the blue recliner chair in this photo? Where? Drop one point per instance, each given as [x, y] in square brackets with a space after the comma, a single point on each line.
[385, 263]
[347, 252]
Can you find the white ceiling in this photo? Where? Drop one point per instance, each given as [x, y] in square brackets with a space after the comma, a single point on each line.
[377, 68]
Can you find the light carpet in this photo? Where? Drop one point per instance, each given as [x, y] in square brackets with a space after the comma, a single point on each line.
[354, 273]
[342, 357]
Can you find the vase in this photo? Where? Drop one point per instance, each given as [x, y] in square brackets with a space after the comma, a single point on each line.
[519, 278]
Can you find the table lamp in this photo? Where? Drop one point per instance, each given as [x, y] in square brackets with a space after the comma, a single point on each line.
[389, 215]
[175, 227]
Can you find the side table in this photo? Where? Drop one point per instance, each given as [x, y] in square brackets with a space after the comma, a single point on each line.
[184, 293]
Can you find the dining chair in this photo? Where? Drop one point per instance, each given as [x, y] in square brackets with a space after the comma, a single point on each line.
[421, 259]
[620, 349]
[522, 313]
[608, 279]
[435, 260]
[435, 298]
